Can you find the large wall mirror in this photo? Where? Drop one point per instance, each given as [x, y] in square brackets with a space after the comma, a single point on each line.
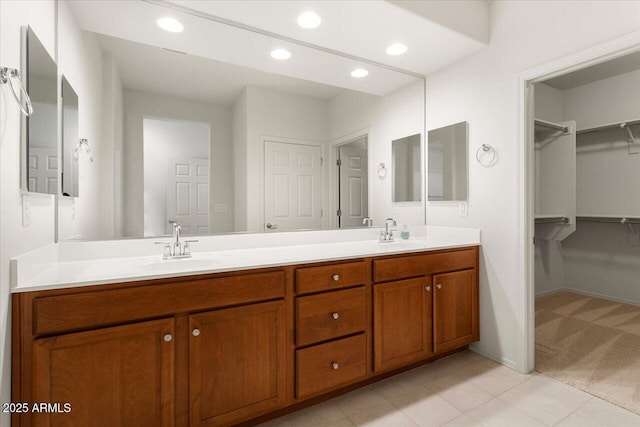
[407, 169]
[447, 163]
[40, 165]
[222, 137]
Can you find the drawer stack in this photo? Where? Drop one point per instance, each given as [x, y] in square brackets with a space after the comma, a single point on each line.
[331, 326]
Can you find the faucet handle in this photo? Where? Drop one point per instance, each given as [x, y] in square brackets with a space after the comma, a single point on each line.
[167, 249]
[186, 249]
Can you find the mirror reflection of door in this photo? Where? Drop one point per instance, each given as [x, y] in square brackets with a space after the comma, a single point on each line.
[353, 183]
[176, 176]
[292, 186]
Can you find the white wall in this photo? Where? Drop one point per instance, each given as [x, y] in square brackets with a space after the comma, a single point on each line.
[140, 105]
[397, 115]
[164, 140]
[239, 125]
[14, 237]
[80, 61]
[483, 90]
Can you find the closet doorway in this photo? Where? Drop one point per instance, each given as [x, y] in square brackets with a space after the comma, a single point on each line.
[586, 204]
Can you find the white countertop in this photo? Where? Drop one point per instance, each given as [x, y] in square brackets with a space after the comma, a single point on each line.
[48, 269]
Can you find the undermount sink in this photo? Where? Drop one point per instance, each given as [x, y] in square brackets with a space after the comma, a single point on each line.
[196, 262]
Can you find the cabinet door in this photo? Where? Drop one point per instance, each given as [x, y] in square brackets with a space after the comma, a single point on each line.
[236, 363]
[455, 309]
[120, 376]
[402, 322]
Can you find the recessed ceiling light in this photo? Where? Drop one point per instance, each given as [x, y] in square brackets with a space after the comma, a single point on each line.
[280, 54]
[396, 49]
[309, 20]
[359, 72]
[170, 24]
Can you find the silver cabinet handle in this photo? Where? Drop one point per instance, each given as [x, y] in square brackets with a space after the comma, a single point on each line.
[439, 286]
[335, 366]
[271, 226]
[335, 315]
[196, 332]
[167, 337]
[336, 277]
[427, 288]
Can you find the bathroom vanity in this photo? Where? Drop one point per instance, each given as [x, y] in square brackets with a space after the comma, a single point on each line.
[238, 346]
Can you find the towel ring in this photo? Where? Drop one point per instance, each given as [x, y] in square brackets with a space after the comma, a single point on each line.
[382, 170]
[83, 143]
[481, 151]
[12, 76]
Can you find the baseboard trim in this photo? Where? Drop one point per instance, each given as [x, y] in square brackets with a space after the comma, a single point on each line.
[597, 295]
[549, 292]
[502, 360]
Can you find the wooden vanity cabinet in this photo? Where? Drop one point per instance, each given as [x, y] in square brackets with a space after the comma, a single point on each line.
[228, 348]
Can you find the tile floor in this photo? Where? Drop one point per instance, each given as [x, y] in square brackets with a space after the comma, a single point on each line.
[465, 389]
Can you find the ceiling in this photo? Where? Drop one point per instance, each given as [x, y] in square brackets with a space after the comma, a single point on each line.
[156, 70]
[611, 68]
[437, 34]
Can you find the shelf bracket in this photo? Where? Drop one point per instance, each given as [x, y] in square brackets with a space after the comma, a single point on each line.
[634, 147]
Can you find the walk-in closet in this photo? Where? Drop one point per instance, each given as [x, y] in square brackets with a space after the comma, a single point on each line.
[587, 229]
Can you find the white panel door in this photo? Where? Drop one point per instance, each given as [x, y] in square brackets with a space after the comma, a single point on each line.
[353, 186]
[292, 186]
[188, 195]
[43, 170]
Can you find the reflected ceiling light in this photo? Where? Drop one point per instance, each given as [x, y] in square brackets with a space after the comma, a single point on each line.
[396, 49]
[359, 72]
[280, 54]
[309, 20]
[170, 24]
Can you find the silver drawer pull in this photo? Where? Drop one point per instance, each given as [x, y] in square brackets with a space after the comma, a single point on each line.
[196, 332]
[439, 286]
[336, 277]
[167, 337]
[427, 288]
[335, 366]
[335, 315]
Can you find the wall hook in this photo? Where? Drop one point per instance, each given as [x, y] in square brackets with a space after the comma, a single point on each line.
[382, 171]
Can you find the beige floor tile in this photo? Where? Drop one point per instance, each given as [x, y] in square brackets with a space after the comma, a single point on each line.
[319, 415]
[496, 381]
[426, 408]
[462, 421]
[459, 393]
[598, 413]
[346, 422]
[359, 400]
[382, 415]
[545, 399]
[399, 385]
[498, 413]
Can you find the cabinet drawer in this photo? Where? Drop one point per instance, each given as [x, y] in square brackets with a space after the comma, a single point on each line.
[418, 265]
[60, 313]
[314, 279]
[327, 366]
[330, 315]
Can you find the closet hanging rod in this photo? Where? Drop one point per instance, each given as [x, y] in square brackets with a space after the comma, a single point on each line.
[551, 125]
[618, 125]
[610, 219]
[552, 220]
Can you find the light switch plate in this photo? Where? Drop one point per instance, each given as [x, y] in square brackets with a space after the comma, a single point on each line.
[463, 209]
[26, 212]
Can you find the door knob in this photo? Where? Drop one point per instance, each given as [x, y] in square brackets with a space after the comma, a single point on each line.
[271, 226]
[196, 332]
[427, 288]
[439, 286]
[335, 366]
[336, 277]
[335, 315]
[167, 337]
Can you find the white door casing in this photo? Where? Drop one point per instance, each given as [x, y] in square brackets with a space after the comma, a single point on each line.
[188, 195]
[292, 186]
[354, 200]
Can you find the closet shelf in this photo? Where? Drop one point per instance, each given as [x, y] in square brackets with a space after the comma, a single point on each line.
[552, 219]
[612, 219]
[541, 125]
[609, 126]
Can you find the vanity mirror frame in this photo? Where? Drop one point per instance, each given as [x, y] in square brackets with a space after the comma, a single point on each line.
[27, 37]
[69, 149]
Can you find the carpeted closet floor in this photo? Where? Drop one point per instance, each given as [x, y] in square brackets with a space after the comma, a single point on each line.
[592, 344]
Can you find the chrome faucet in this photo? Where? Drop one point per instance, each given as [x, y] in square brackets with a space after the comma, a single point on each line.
[368, 221]
[386, 235]
[175, 248]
